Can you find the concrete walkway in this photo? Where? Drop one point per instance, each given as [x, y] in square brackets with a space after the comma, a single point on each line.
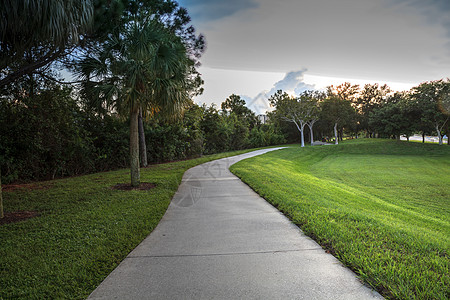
[220, 240]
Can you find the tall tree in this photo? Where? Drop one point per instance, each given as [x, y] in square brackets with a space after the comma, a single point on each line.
[117, 15]
[427, 99]
[145, 66]
[336, 111]
[216, 130]
[314, 98]
[234, 104]
[394, 117]
[343, 94]
[371, 97]
[345, 91]
[1, 197]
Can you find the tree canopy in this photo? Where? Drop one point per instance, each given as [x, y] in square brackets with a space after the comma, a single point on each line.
[37, 32]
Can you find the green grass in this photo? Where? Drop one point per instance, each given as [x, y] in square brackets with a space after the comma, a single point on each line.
[85, 229]
[428, 142]
[382, 207]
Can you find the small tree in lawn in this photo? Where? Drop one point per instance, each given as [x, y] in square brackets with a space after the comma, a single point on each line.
[314, 98]
[287, 107]
[296, 110]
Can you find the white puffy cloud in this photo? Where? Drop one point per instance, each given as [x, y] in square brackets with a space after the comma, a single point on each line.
[292, 83]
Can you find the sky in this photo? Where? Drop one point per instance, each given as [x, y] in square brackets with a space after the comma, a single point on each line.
[255, 47]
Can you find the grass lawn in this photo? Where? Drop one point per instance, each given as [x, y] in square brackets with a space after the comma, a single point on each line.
[85, 229]
[382, 207]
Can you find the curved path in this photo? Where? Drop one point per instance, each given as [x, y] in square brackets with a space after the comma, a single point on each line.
[220, 240]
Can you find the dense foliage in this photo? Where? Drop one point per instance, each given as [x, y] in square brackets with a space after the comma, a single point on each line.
[49, 135]
[371, 111]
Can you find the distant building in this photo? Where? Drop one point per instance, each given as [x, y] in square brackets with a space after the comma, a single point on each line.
[263, 119]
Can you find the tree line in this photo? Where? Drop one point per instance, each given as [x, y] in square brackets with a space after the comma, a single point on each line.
[371, 111]
[50, 135]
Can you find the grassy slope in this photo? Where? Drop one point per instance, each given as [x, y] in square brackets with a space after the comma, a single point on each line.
[382, 207]
[85, 229]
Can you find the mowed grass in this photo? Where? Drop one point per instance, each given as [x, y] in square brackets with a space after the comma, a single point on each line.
[85, 229]
[382, 207]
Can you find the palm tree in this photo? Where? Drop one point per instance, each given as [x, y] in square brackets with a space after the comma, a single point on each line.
[34, 33]
[1, 199]
[144, 66]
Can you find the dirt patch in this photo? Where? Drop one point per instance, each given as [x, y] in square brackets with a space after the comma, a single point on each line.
[17, 216]
[29, 186]
[144, 186]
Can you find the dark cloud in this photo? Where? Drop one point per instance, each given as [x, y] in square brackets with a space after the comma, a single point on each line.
[207, 10]
[435, 11]
[403, 41]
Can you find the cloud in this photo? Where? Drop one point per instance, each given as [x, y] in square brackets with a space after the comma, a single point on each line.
[434, 11]
[292, 83]
[392, 40]
[212, 10]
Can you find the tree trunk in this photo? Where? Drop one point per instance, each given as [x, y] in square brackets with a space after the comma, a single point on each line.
[300, 128]
[302, 138]
[447, 133]
[441, 142]
[311, 134]
[423, 137]
[335, 134]
[142, 144]
[134, 148]
[407, 137]
[1, 199]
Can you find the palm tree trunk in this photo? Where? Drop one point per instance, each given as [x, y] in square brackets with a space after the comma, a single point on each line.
[1, 199]
[134, 148]
[142, 145]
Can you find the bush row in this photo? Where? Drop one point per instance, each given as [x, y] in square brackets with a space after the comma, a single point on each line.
[50, 136]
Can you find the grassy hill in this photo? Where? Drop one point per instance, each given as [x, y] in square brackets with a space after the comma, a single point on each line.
[382, 207]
